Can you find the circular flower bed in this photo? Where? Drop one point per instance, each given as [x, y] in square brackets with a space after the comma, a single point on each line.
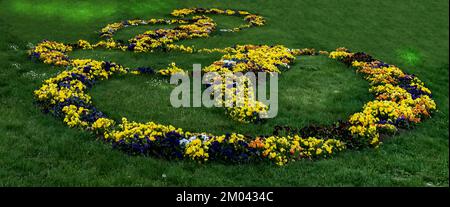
[401, 100]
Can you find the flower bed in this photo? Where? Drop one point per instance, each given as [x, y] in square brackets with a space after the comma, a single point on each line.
[401, 100]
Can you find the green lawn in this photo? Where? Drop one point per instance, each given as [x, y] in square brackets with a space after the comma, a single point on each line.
[38, 150]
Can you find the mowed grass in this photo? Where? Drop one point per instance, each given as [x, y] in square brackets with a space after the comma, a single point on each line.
[38, 150]
[301, 101]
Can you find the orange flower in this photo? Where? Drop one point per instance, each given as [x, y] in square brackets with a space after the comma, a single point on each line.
[256, 143]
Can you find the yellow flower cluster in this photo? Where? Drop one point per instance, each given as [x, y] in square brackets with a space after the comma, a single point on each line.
[51, 92]
[339, 54]
[399, 98]
[290, 148]
[131, 130]
[102, 125]
[197, 26]
[72, 116]
[96, 69]
[182, 12]
[304, 51]
[245, 58]
[111, 28]
[172, 69]
[197, 147]
[51, 52]
[390, 92]
[181, 48]
[252, 19]
[69, 85]
[150, 40]
[109, 44]
[249, 112]
[85, 45]
[196, 150]
[385, 75]
[280, 150]
[366, 124]
[421, 107]
[240, 100]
